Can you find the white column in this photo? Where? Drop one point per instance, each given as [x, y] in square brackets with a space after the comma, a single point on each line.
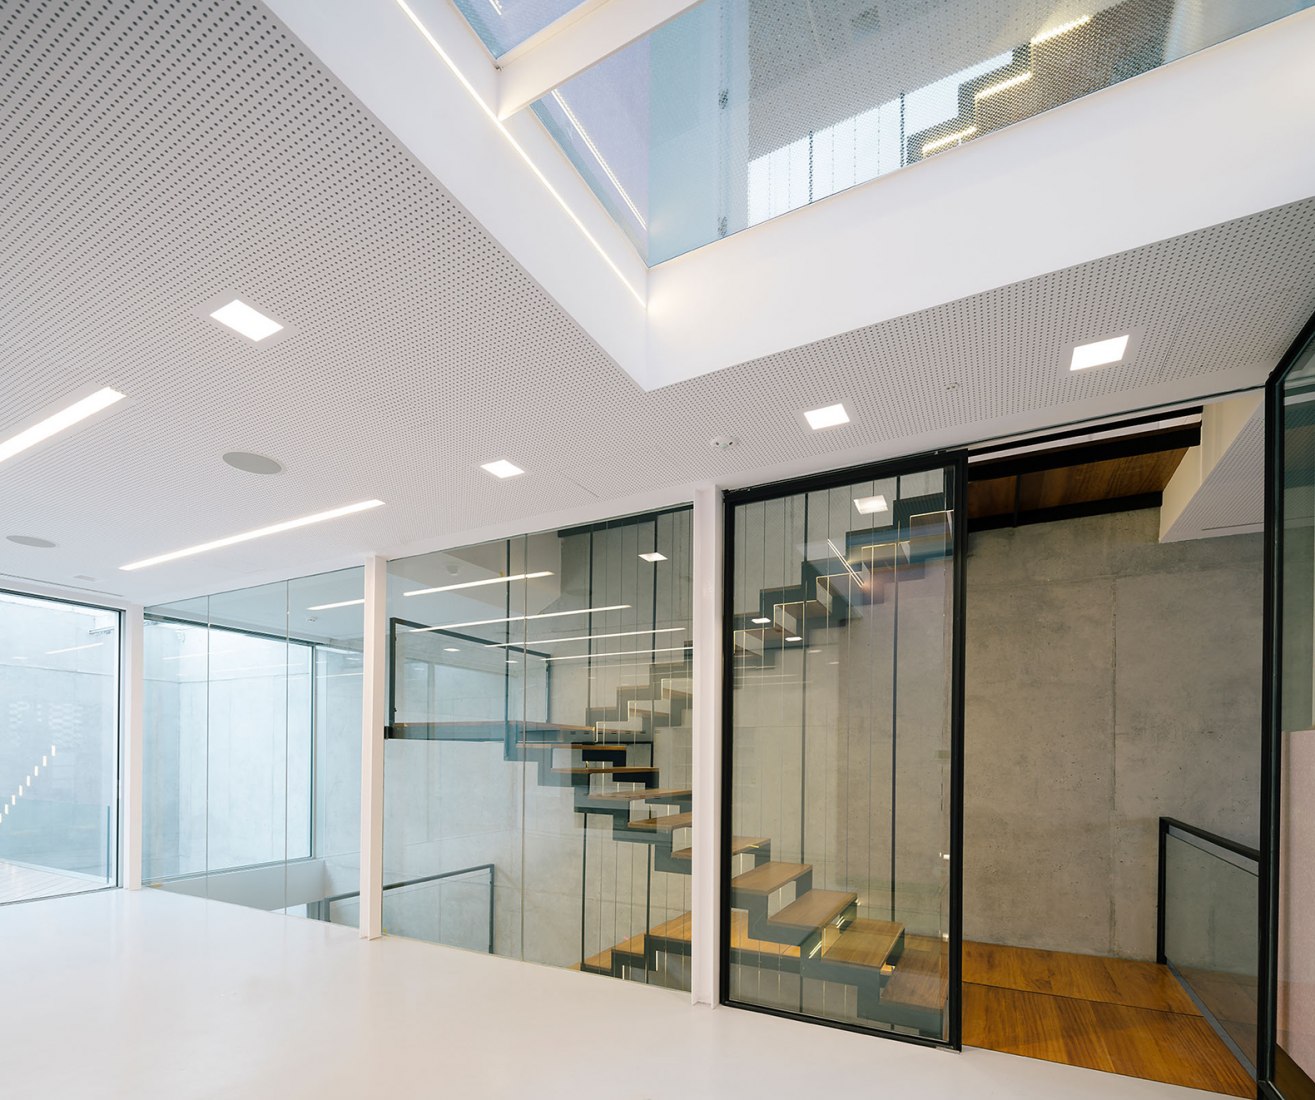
[374, 696]
[706, 882]
[132, 700]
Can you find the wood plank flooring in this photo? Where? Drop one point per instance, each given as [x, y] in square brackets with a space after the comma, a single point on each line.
[1115, 1015]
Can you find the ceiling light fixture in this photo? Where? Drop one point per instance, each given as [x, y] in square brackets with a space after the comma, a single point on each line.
[451, 649]
[518, 618]
[828, 417]
[74, 648]
[621, 653]
[60, 421]
[794, 638]
[868, 506]
[654, 556]
[502, 468]
[477, 584]
[259, 532]
[340, 603]
[948, 139]
[1003, 86]
[760, 622]
[1063, 28]
[246, 321]
[1099, 353]
[583, 638]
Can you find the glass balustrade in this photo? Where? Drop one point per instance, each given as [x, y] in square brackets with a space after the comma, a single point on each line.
[1208, 928]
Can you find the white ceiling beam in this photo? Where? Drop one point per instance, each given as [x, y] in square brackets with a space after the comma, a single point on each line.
[579, 39]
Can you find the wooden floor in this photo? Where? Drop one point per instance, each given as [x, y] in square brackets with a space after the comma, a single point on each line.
[1115, 1015]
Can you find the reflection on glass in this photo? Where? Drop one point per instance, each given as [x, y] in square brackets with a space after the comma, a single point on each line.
[738, 111]
[1210, 938]
[503, 24]
[537, 772]
[840, 749]
[59, 734]
[251, 762]
[1295, 529]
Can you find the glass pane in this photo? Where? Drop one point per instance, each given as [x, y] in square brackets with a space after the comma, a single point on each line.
[1210, 937]
[840, 736]
[502, 24]
[741, 110]
[251, 789]
[540, 728]
[1296, 932]
[59, 736]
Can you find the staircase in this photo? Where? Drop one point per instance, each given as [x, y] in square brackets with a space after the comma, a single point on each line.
[780, 920]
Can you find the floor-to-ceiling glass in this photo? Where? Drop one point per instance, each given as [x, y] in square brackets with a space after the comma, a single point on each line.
[251, 761]
[59, 747]
[538, 765]
[1290, 1012]
[842, 750]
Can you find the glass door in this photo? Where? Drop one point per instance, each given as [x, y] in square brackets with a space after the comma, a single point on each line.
[1287, 1055]
[843, 749]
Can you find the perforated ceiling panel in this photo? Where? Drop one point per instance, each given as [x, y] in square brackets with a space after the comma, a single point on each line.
[153, 155]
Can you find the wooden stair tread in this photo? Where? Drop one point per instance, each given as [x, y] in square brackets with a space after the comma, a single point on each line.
[666, 822]
[634, 796]
[633, 948]
[769, 877]
[921, 977]
[607, 770]
[739, 845]
[815, 909]
[864, 943]
[679, 930]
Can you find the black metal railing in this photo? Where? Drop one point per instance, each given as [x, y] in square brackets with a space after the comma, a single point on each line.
[1207, 931]
[322, 909]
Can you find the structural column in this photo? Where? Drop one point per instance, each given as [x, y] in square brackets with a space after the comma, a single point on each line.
[706, 871]
[374, 695]
[133, 678]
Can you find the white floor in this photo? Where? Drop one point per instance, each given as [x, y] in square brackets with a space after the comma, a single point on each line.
[149, 994]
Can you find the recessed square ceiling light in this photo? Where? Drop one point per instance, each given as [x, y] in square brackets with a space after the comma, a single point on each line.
[655, 556]
[502, 468]
[760, 622]
[246, 320]
[1099, 353]
[868, 505]
[828, 417]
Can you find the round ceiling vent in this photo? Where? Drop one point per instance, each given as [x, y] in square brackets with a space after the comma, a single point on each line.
[250, 463]
[31, 540]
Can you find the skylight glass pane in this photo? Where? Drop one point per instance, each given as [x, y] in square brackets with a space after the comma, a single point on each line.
[504, 24]
[738, 111]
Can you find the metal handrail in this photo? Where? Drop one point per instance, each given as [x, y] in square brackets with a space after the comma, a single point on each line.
[489, 867]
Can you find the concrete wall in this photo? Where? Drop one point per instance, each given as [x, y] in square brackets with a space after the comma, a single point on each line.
[1110, 680]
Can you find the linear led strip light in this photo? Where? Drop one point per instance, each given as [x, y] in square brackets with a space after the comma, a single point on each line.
[59, 421]
[478, 584]
[520, 150]
[948, 139]
[519, 618]
[258, 533]
[1063, 28]
[582, 638]
[1003, 86]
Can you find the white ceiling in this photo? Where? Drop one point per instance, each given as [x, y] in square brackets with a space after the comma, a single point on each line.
[154, 154]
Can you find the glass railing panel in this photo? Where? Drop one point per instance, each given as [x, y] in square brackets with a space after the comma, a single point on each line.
[738, 111]
[59, 737]
[1210, 931]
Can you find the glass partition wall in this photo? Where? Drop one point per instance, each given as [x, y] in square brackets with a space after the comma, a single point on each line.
[537, 768]
[842, 751]
[59, 747]
[251, 756]
[1288, 962]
